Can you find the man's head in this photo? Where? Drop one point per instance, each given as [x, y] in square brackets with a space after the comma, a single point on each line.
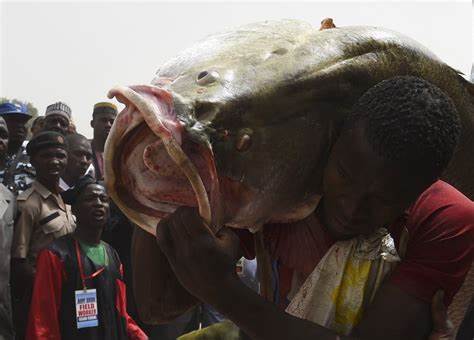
[57, 118]
[16, 116]
[3, 138]
[79, 156]
[89, 202]
[37, 125]
[48, 155]
[397, 141]
[103, 117]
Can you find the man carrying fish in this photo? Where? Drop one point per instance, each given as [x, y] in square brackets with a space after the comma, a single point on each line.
[385, 238]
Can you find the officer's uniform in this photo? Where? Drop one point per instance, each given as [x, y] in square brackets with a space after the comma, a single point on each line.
[43, 216]
[18, 174]
[7, 214]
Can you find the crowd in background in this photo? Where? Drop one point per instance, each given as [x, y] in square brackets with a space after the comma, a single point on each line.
[56, 216]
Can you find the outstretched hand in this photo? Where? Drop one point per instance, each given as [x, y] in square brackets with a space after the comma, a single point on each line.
[442, 326]
[200, 260]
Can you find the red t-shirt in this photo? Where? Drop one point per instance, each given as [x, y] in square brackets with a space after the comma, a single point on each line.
[440, 246]
[439, 251]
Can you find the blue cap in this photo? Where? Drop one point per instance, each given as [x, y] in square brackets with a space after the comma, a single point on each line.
[8, 109]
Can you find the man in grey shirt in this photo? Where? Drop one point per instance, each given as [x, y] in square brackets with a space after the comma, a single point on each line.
[7, 215]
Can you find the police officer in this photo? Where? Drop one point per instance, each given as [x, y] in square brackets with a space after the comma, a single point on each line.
[18, 173]
[43, 215]
[7, 214]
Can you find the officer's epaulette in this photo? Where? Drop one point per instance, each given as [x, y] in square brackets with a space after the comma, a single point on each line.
[25, 194]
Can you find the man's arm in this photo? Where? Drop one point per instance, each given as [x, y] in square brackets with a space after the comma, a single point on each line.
[134, 332]
[43, 322]
[22, 271]
[205, 265]
[395, 315]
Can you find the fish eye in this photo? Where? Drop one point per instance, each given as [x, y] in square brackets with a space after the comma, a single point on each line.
[202, 75]
[206, 78]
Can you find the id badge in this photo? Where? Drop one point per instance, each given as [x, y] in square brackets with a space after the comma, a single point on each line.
[86, 308]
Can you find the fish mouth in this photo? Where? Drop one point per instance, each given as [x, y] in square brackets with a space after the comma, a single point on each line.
[152, 166]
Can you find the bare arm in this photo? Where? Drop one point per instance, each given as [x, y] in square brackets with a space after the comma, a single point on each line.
[205, 266]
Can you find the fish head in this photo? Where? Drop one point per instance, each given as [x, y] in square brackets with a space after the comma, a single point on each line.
[248, 136]
[240, 125]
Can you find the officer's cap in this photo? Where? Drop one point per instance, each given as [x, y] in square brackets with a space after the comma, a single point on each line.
[46, 139]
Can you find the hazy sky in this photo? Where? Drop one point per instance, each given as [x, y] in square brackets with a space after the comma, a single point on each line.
[75, 52]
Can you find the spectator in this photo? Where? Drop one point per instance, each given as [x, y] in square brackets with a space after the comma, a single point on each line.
[7, 214]
[37, 126]
[103, 117]
[58, 118]
[79, 160]
[81, 266]
[3, 146]
[18, 172]
[43, 216]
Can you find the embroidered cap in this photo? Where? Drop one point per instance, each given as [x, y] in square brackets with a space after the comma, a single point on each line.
[46, 139]
[60, 109]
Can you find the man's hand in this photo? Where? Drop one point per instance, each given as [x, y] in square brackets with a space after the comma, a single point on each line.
[23, 275]
[200, 260]
[442, 327]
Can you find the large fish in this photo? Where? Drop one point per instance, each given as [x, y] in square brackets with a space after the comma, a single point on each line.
[240, 126]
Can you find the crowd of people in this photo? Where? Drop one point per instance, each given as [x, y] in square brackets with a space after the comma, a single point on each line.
[61, 238]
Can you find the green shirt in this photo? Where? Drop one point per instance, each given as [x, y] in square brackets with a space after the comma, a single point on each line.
[96, 253]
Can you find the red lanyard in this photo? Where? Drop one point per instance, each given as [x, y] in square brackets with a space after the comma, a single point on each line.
[81, 269]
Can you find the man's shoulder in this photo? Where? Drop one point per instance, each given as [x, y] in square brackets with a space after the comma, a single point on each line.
[442, 208]
[61, 246]
[445, 197]
[5, 193]
[28, 195]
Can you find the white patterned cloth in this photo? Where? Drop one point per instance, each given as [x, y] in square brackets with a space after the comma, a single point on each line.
[345, 281]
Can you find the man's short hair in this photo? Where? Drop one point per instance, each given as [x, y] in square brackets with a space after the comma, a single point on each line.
[74, 138]
[410, 122]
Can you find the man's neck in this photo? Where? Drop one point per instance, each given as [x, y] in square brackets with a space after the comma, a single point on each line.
[98, 144]
[14, 147]
[3, 162]
[52, 184]
[71, 181]
[89, 236]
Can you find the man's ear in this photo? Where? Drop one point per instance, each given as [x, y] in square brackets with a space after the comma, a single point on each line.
[92, 123]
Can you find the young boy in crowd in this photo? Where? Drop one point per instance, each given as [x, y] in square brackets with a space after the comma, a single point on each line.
[79, 278]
